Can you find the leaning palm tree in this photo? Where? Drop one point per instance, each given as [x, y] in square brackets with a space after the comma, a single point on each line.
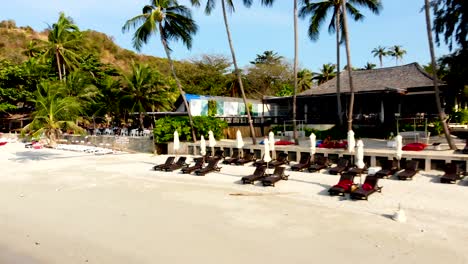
[228, 4]
[442, 116]
[318, 12]
[380, 52]
[327, 72]
[397, 52]
[54, 111]
[173, 22]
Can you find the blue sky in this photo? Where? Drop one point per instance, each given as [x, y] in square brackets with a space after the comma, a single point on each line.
[254, 30]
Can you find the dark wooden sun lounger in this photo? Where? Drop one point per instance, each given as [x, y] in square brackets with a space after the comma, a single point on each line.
[175, 166]
[452, 173]
[344, 185]
[356, 171]
[281, 160]
[341, 165]
[319, 164]
[410, 171]
[235, 157]
[261, 162]
[368, 187]
[389, 167]
[304, 163]
[248, 157]
[210, 167]
[169, 162]
[258, 174]
[198, 165]
[278, 175]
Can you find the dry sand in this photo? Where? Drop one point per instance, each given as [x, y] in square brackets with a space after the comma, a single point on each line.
[68, 207]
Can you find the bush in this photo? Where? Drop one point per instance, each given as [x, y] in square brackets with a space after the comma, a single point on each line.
[165, 127]
[460, 116]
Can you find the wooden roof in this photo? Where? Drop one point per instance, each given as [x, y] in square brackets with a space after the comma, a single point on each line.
[398, 79]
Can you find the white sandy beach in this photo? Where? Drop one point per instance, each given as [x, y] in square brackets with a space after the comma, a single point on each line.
[68, 207]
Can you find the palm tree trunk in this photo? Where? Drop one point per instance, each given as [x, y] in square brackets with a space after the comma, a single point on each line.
[442, 116]
[349, 66]
[57, 58]
[238, 74]
[380, 58]
[338, 84]
[296, 140]
[179, 85]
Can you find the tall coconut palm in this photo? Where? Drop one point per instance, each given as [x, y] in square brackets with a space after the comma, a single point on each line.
[380, 52]
[304, 80]
[62, 42]
[54, 111]
[327, 72]
[173, 22]
[295, 69]
[397, 52]
[369, 66]
[318, 12]
[228, 4]
[442, 116]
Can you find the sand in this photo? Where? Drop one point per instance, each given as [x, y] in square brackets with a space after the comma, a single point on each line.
[69, 207]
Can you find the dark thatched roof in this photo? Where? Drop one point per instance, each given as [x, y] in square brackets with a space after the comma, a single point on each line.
[398, 79]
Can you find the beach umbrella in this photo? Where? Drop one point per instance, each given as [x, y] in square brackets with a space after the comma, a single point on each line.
[211, 141]
[239, 140]
[266, 156]
[202, 146]
[312, 144]
[176, 144]
[399, 146]
[351, 141]
[360, 156]
[271, 140]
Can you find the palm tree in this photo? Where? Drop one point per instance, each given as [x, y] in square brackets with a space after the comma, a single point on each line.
[268, 57]
[210, 5]
[397, 52]
[295, 67]
[442, 116]
[327, 72]
[318, 12]
[304, 80]
[54, 111]
[145, 90]
[63, 40]
[369, 66]
[173, 22]
[380, 52]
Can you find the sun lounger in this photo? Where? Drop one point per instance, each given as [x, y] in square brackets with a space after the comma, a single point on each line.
[452, 173]
[198, 165]
[319, 164]
[258, 174]
[175, 166]
[235, 157]
[278, 175]
[219, 154]
[169, 161]
[248, 157]
[341, 165]
[261, 162]
[389, 167]
[304, 163]
[344, 185]
[281, 160]
[210, 167]
[356, 171]
[410, 171]
[368, 187]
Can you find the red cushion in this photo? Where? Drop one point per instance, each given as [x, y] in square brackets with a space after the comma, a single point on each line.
[345, 184]
[415, 146]
[3, 143]
[367, 187]
[334, 144]
[284, 142]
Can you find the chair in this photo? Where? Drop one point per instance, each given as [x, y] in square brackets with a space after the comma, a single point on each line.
[281, 160]
[235, 157]
[169, 161]
[389, 167]
[320, 163]
[344, 185]
[278, 175]
[248, 157]
[356, 171]
[368, 187]
[410, 171]
[258, 174]
[219, 154]
[261, 162]
[175, 166]
[452, 173]
[210, 167]
[341, 165]
[304, 163]
[198, 165]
